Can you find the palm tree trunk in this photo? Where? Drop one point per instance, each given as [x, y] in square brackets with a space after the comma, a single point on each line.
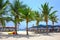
[53, 26]
[16, 28]
[16, 25]
[27, 26]
[0, 24]
[47, 27]
[37, 23]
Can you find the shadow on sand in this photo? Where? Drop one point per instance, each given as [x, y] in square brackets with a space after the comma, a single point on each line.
[24, 35]
[44, 34]
[16, 36]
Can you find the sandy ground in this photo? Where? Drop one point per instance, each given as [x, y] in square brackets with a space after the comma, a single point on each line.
[32, 36]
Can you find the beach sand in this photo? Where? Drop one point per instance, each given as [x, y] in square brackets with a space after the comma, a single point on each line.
[32, 36]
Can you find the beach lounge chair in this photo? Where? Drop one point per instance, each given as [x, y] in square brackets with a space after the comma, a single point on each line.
[12, 33]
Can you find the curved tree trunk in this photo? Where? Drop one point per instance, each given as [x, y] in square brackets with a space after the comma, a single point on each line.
[27, 26]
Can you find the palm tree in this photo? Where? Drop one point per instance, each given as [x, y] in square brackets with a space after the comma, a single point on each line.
[28, 15]
[3, 7]
[16, 7]
[46, 11]
[38, 18]
[53, 18]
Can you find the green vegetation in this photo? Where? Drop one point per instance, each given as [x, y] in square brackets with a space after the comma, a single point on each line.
[38, 18]
[28, 15]
[3, 12]
[53, 18]
[20, 12]
[16, 11]
[46, 11]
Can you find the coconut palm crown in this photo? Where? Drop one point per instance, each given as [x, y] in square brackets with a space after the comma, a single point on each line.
[28, 15]
[16, 14]
[3, 12]
[38, 18]
[46, 11]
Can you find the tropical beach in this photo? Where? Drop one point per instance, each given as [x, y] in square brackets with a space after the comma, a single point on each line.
[29, 20]
[32, 36]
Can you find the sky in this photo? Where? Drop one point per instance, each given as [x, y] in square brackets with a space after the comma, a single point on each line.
[35, 5]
